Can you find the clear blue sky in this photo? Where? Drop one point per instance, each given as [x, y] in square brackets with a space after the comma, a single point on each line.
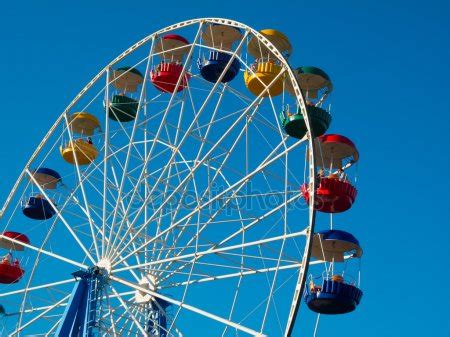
[389, 62]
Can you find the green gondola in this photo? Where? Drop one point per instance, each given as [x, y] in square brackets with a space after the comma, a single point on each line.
[294, 124]
[123, 108]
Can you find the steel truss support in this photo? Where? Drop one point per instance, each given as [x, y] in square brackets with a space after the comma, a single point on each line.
[157, 319]
[80, 316]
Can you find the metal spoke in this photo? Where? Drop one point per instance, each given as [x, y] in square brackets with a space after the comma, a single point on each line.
[188, 307]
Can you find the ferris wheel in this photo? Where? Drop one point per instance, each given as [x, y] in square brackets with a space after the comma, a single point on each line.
[173, 196]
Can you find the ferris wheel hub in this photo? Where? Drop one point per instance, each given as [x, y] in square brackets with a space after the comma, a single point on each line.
[148, 282]
[105, 265]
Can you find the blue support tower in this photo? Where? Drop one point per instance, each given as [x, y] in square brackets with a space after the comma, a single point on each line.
[157, 324]
[83, 311]
[80, 316]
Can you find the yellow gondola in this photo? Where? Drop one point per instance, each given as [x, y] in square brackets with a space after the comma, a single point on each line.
[278, 39]
[263, 75]
[81, 150]
[267, 67]
[84, 123]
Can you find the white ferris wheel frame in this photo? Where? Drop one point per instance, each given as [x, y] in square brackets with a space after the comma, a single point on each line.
[309, 231]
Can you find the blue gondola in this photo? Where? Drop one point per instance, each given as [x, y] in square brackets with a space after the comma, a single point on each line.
[38, 208]
[333, 297]
[47, 177]
[221, 37]
[212, 68]
[332, 245]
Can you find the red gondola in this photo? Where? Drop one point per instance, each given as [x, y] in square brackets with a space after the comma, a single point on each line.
[165, 75]
[334, 151]
[7, 244]
[335, 194]
[10, 269]
[10, 272]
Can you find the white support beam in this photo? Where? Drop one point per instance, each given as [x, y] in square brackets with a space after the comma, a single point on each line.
[45, 252]
[216, 250]
[188, 307]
